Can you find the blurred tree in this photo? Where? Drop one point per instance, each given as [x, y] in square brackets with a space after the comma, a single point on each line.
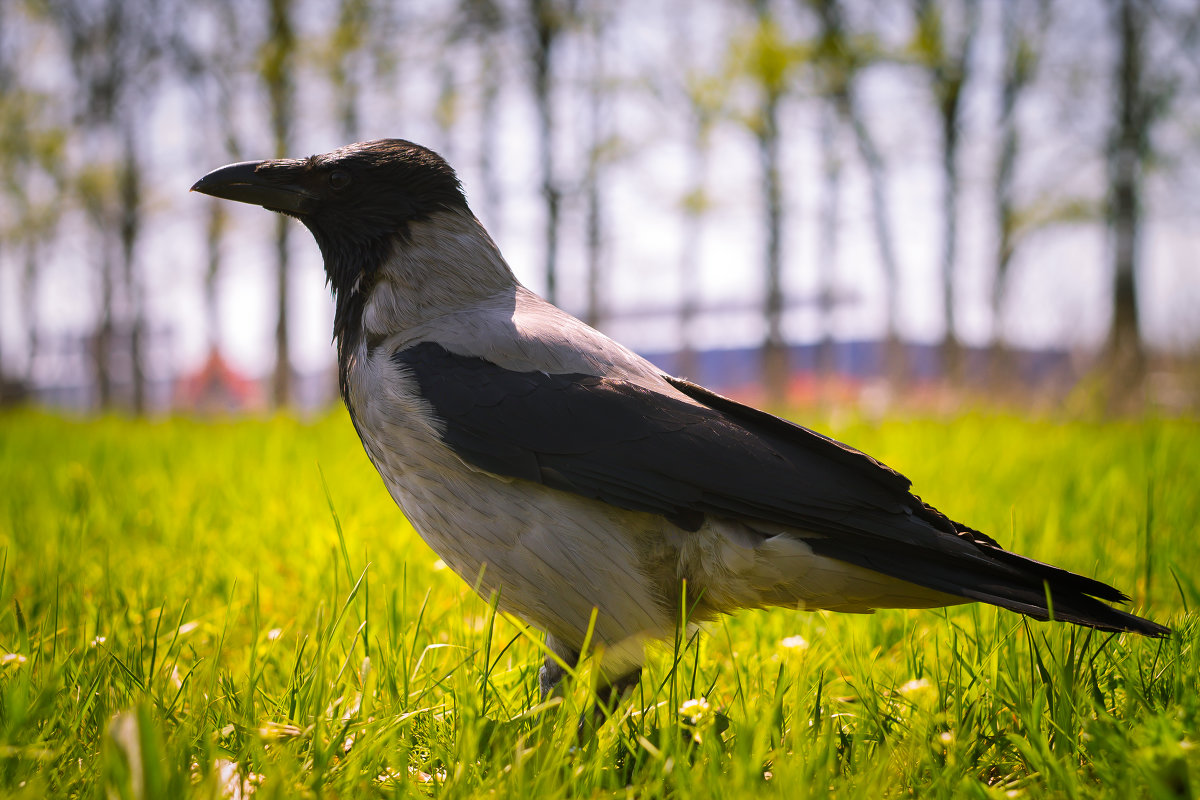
[490, 26]
[706, 95]
[1141, 96]
[1150, 75]
[92, 186]
[103, 130]
[448, 109]
[211, 66]
[8, 90]
[32, 143]
[601, 150]
[828, 228]
[347, 47]
[1128, 149]
[840, 57]
[768, 60]
[943, 45]
[276, 70]
[547, 23]
[1022, 34]
[130, 193]
[482, 24]
[115, 49]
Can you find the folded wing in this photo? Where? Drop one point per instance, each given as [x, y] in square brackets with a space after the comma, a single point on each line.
[642, 450]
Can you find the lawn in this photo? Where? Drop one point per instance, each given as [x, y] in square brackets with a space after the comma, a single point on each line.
[215, 609]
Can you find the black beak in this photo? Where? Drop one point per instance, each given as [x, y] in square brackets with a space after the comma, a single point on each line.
[247, 182]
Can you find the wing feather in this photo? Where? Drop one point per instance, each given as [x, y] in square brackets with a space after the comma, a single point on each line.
[695, 454]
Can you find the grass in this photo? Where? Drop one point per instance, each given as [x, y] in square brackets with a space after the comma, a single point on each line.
[214, 609]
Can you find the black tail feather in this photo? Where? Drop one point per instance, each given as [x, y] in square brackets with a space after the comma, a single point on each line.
[989, 574]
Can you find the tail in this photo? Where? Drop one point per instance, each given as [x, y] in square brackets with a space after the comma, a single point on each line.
[1049, 592]
[983, 571]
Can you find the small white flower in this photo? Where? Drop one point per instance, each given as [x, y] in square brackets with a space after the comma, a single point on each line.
[232, 785]
[439, 565]
[695, 711]
[915, 686]
[420, 776]
[947, 737]
[389, 775]
[274, 634]
[15, 659]
[794, 643]
[99, 640]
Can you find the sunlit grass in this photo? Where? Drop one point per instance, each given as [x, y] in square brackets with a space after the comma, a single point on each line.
[205, 608]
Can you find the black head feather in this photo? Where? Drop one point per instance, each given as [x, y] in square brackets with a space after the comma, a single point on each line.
[359, 201]
[365, 198]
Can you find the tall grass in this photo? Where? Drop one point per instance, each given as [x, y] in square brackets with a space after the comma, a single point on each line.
[219, 609]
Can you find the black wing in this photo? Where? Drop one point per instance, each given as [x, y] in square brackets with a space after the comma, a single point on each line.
[642, 450]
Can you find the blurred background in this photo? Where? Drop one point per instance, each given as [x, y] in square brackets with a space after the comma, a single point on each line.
[794, 201]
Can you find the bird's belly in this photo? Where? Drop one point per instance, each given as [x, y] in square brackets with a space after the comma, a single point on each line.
[551, 556]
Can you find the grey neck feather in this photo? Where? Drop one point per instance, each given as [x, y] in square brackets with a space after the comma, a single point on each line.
[446, 263]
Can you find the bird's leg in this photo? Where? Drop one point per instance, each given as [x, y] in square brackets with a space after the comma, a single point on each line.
[552, 671]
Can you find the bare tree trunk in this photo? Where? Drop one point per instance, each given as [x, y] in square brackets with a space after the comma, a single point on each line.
[130, 229]
[841, 69]
[705, 96]
[949, 72]
[214, 232]
[353, 19]
[1020, 64]
[693, 233]
[489, 178]
[827, 238]
[1014, 81]
[102, 342]
[281, 380]
[2, 367]
[29, 301]
[597, 131]
[881, 220]
[951, 347]
[277, 75]
[547, 25]
[446, 111]
[1126, 356]
[775, 356]
[219, 67]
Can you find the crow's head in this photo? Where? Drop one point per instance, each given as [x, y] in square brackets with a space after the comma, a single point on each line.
[391, 221]
[357, 200]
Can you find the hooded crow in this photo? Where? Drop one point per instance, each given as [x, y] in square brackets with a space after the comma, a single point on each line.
[557, 469]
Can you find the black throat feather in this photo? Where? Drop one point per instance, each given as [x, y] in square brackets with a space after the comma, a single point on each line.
[350, 270]
[387, 185]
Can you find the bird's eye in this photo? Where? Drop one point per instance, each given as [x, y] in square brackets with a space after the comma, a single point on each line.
[339, 179]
